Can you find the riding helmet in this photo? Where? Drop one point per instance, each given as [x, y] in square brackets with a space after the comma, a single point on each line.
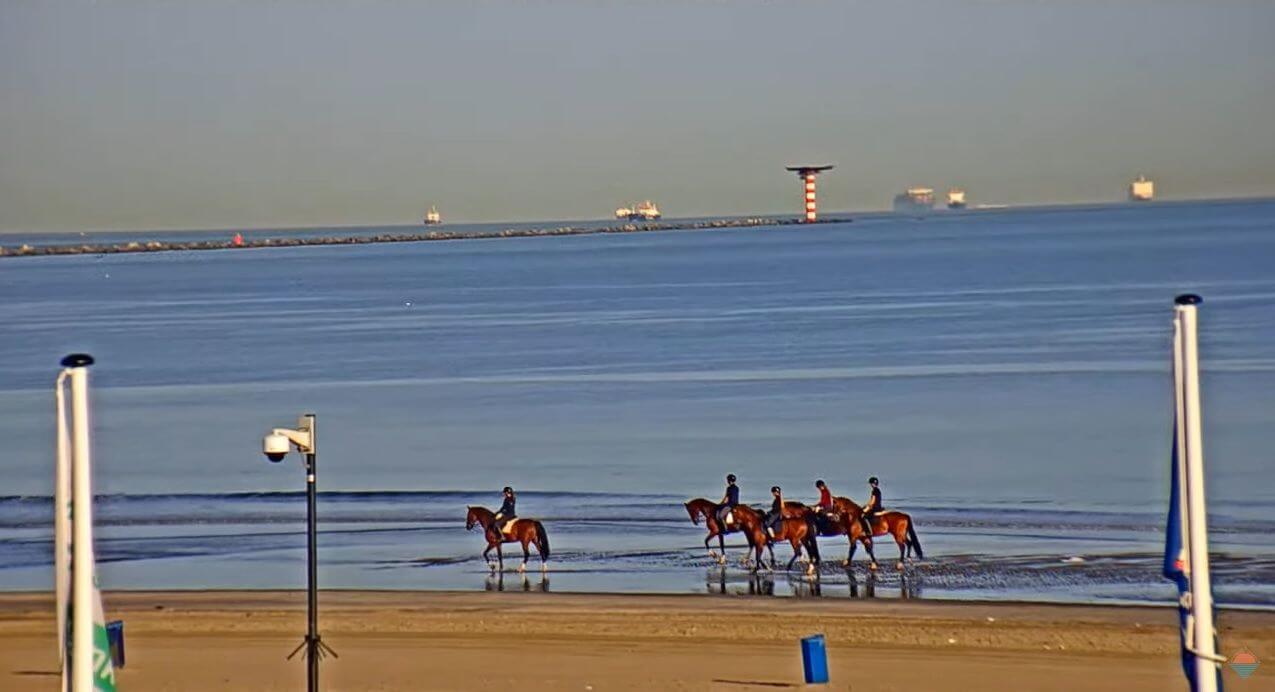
[730, 478]
[775, 489]
[819, 483]
[508, 489]
[873, 480]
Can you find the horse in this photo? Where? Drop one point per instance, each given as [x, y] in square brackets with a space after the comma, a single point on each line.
[839, 523]
[707, 509]
[891, 522]
[525, 531]
[796, 528]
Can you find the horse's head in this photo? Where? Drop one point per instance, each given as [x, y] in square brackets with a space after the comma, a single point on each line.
[693, 509]
[471, 518]
[846, 506]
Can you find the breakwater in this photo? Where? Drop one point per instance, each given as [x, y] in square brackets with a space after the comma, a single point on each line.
[28, 250]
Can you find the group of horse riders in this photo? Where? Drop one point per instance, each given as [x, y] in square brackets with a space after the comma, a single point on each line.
[824, 508]
[830, 516]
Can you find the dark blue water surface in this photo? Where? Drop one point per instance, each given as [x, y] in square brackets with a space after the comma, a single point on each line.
[1005, 373]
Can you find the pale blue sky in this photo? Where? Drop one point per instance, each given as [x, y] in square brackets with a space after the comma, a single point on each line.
[311, 112]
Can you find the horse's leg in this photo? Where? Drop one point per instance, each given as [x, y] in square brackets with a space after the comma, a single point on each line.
[850, 555]
[770, 547]
[900, 538]
[487, 557]
[796, 551]
[526, 555]
[872, 555]
[500, 556]
[721, 543]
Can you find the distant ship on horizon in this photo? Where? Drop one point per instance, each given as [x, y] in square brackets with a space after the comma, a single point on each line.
[914, 200]
[1142, 190]
[432, 217]
[956, 198]
[646, 211]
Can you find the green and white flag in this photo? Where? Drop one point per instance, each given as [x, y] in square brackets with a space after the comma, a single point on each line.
[103, 667]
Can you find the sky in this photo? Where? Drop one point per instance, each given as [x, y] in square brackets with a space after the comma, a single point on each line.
[243, 113]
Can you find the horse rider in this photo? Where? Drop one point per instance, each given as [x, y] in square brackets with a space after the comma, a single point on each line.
[776, 513]
[506, 513]
[873, 506]
[729, 501]
[825, 508]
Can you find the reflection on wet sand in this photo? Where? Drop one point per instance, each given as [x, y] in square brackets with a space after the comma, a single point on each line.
[496, 582]
[719, 581]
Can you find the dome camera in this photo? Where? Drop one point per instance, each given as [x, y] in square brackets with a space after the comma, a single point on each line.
[276, 446]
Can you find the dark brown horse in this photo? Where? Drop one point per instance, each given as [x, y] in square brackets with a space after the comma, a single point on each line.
[796, 527]
[525, 531]
[701, 508]
[895, 524]
[839, 523]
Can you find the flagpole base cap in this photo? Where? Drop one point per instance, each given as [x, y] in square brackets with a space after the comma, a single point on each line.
[1188, 299]
[77, 360]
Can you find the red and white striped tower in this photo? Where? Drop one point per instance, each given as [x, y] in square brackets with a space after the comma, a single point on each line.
[812, 210]
[807, 174]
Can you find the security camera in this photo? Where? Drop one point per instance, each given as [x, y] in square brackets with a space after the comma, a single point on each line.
[276, 446]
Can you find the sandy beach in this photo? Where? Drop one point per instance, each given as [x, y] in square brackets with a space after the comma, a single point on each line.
[237, 640]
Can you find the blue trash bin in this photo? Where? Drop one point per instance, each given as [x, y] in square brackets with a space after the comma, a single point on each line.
[115, 638]
[814, 659]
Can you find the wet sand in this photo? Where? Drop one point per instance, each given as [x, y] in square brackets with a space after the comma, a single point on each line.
[533, 641]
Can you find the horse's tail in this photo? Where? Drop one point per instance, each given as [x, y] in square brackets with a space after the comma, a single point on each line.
[542, 541]
[812, 538]
[912, 539]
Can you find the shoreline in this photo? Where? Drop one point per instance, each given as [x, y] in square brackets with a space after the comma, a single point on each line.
[548, 641]
[27, 250]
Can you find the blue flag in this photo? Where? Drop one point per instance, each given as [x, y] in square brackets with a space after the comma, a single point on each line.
[1177, 564]
[1177, 558]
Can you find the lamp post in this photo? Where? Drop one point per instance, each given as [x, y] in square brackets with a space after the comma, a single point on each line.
[276, 446]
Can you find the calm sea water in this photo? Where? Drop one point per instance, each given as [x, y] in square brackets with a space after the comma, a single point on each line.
[1004, 373]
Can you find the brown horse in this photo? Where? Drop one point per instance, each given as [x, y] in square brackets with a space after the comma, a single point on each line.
[707, 510]
[525, 531]
[897, 525]
[840, 523]
[796, 528]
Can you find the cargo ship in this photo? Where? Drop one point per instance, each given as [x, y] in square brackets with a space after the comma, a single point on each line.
[646, 211]
[432, 217]
[914, 200]
[956, 198]
[1142, 190]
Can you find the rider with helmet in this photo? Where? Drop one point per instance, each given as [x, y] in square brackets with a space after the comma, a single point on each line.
[729, 501]
[825, 497]
[776, 513]
[873, 506]
[506, 513]
[825, 507]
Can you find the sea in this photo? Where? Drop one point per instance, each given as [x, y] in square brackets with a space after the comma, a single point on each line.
[1006, 374]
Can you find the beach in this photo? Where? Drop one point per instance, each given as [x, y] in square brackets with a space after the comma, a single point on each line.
[546, 641]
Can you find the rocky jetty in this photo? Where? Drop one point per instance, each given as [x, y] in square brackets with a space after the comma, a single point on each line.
[250, 243]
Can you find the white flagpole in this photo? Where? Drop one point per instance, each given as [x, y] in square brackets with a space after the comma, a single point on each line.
[82, 543]
[62, 525]
[1197, 518]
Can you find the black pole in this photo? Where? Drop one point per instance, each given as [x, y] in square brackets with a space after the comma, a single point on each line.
[312, 633]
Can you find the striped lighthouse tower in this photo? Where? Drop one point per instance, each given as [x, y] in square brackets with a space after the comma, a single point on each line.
[807, 175]
[812, 209]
